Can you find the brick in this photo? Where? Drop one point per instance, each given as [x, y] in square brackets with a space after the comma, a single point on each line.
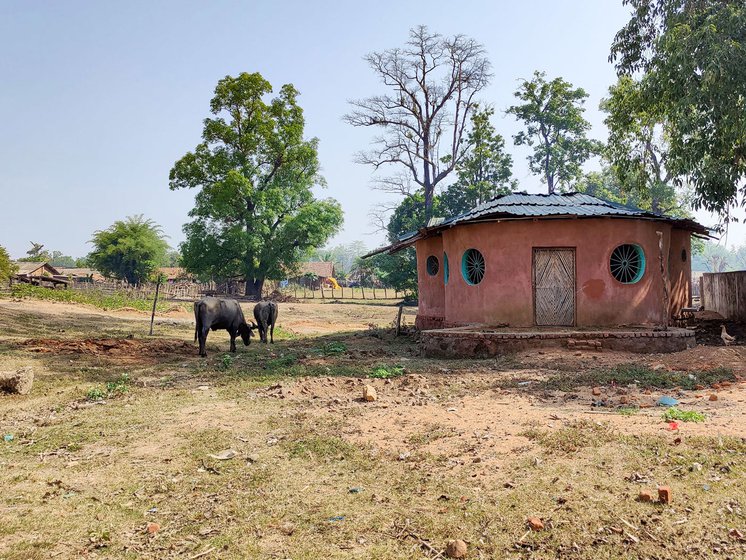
[645, 496]
[713, 397]
[664, 494]
[535, 524]
[596, 391]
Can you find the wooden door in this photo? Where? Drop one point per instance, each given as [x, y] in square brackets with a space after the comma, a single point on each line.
[554, 287]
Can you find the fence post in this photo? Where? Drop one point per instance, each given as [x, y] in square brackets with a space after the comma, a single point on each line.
[155, 302]
[398, 319]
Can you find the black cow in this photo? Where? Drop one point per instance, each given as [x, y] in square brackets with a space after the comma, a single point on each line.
[265, 315]
[217, 313]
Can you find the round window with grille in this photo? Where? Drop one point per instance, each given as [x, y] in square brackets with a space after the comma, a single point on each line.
[446, 269]
[627, 263]
[432, 265]
[472, 266]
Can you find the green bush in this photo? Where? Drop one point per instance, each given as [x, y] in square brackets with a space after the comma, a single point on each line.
[387, 372]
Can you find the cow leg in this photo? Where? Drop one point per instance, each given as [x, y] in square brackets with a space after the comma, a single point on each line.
[272, 333]
[233, 341]
[202, 335]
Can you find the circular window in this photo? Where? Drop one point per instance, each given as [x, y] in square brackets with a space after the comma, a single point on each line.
[472, 266]
[683, 255]
[446, 270]
[432, 265]
[627, 263]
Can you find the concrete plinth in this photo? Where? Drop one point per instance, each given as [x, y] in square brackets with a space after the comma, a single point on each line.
[483, 342]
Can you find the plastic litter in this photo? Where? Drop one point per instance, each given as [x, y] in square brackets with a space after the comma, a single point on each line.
[337, 518]
[8, 437]
[355, 490]
[665, 400]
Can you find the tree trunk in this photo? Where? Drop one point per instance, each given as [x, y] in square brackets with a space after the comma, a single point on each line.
[254, 287]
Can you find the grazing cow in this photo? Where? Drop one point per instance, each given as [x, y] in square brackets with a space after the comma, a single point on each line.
[217, 313]
[265, 315]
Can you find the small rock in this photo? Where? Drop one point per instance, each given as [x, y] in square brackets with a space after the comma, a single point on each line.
[152, 528]
[713, 397]
[645, 496]
[664, 494]
[369, 393]
[287, 528]
[596, 391]
[535, 524]
[624, 399]
[456, 549]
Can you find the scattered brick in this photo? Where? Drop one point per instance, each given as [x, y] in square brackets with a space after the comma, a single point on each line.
[664, 494]
[699, 387]
[153, 528]
[645, 496]
[713, 397]
[535, 524]
[596, 391]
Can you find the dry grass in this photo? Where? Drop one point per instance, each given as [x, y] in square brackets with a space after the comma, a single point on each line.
[84, 479]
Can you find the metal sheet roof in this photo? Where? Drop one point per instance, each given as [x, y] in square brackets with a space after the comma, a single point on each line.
[538, 205]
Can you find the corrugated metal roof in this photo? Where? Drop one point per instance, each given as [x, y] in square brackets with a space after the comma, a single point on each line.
[538, 205]
[525, 206]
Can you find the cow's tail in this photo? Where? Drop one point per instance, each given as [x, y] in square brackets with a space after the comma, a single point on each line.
[196, 320]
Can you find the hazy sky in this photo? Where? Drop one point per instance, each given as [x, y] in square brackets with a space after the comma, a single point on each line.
[99, 99]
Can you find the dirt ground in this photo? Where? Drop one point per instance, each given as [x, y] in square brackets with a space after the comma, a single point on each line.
[132, 446]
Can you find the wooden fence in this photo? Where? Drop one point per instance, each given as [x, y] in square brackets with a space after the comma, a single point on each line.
[725, 292]
[191, 291]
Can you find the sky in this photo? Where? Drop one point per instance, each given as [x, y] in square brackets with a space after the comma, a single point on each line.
[98, 99]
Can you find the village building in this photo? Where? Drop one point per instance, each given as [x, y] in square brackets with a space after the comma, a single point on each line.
[39, 274]
[559, 260]
[315, 274]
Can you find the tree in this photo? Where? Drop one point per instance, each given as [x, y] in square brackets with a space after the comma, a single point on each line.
[716, 258]
[637, 145]
[433, 81]
[552, 113]
[172, 258]
[605, 184]
[690, 56]
[58, 259]
[7, 267]
[36, 254]
[255, 216]
[485, 170]
[130, 249]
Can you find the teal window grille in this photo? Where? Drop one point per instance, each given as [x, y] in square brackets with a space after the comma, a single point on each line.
[472, 266]
[627, 263]
[446, 269]
[432, 265]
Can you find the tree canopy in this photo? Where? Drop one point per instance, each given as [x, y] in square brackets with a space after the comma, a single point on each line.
[484, 172]
[255, 216]
[552, 113]
[130, 249]
[689, 60]
[433, 82]
[7, 268]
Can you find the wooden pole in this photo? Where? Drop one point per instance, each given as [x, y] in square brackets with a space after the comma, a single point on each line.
[155, 302]
[663, 280]
[398, 320]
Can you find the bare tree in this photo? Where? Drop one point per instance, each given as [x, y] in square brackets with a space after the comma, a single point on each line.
[434, 80]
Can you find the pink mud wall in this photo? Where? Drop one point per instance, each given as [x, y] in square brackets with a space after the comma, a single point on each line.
[505, 295]
[431, 309]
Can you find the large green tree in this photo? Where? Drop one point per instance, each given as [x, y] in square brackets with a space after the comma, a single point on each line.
[552, 113]
[689, 57]
[605, 184]
[485, 170]
[7, 268]
[637, 145]
[130, 249]
[432, 86]
[255, 216]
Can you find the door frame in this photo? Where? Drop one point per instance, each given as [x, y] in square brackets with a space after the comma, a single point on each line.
[574, 279]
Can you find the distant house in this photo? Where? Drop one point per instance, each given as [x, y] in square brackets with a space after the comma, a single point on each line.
[175, 274]
[80, 275]
[315, 274]
[39, 274]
